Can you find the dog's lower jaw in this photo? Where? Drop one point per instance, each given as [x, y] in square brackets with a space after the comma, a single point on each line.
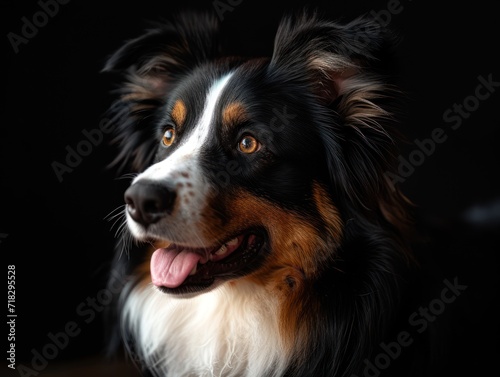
[232, 331]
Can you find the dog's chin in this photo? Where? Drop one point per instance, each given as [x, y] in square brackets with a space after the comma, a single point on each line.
[209, 267]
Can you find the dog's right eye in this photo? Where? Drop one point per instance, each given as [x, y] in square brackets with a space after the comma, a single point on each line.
[168, 136]
[248, 144]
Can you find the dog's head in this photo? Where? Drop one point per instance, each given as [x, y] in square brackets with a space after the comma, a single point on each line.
[250, 167]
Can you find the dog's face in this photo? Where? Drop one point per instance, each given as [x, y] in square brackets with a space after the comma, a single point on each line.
[249, 155]
[234, 180]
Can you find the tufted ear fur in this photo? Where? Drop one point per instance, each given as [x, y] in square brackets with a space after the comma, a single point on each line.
[343, 67]
[151, 65]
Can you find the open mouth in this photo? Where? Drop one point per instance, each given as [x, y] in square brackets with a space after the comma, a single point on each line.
[180, 269]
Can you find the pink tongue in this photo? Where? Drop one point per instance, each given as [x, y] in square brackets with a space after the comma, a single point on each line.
[170, 267]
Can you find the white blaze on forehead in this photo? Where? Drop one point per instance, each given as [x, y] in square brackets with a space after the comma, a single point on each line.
[182, 171]
[202, 129]
[183, 156]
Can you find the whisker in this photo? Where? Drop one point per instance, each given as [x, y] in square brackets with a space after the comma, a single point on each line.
[129, 176]
[121, 229]
[125, 240]
[114, 213]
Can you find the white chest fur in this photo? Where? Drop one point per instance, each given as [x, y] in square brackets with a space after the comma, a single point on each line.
[230, 331]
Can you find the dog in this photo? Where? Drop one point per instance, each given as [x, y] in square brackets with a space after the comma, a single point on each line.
[261, 235]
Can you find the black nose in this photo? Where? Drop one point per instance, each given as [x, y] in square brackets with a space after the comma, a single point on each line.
[147, 202]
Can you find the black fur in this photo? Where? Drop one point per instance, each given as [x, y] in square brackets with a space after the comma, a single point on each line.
[338, 136]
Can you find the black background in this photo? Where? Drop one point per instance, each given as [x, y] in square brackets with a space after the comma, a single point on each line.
[57, 235]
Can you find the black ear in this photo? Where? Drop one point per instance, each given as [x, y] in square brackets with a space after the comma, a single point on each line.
[151, 65]
[344, 67]
[331, 53]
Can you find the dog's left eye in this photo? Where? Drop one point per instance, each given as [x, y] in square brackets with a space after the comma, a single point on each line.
[248, 144]
[168, 137]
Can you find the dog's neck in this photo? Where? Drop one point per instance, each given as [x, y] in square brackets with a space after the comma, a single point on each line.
[232, 330]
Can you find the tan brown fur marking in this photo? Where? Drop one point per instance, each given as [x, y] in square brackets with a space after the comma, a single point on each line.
[329, 213]
[179, 113]
[233, 114]
[300, 249]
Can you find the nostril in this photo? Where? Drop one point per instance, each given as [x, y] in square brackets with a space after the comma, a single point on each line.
[156, 205]
[147, 201]
[129, 201]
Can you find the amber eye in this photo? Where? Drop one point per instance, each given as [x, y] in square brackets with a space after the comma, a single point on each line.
[168, 137]
[248, 144]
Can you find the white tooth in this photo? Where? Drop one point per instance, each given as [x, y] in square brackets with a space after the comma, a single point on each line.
[233, 242]
[193, 271]
[222, 250]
